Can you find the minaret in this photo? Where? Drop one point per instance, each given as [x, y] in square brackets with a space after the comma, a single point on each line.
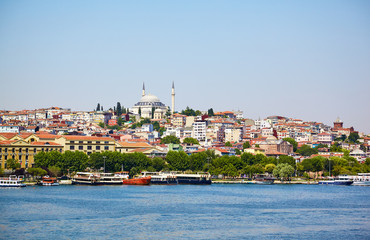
[143, 90]
[173, 98]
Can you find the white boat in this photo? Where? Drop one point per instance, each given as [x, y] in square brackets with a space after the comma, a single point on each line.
[85, 178]
[340, 180]
[111, 178]
[362, 179]
[12, 181]
[198, 178]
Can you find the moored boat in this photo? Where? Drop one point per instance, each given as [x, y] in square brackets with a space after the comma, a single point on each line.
[362, 179]
[264, 179]
[12, 181]
[111, 178]
[49, 181]
[85, 178]
[137, 181]
[162, 178]
[197, 179]
[340, 180]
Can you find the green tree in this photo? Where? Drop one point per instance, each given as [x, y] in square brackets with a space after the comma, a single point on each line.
[210, 112]
[287, 159]
[197, 161]
[101, 124]
[12, 164]
[270, 167]
[55, 171]
[156, 126]
[283, 171]
[353, 136]
[120, 121]
[170, 139]
[238, 152]
[37, 172]
[190, 140]
[246, 145]
[98, 107]
[292, 141]
[306, 150]
[158, 164]
[178, 161]
[119, 109]
[228, 144]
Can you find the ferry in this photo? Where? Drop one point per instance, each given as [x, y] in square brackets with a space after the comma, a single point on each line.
[197, 179]
[264, 179]
[137, 181]
[340, 180]
[12, 181]
[362, 179]
[49, 181]
[85, 178]
[162, 178]
[111, 178]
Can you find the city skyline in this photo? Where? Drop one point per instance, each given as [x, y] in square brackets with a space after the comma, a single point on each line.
[306, 60]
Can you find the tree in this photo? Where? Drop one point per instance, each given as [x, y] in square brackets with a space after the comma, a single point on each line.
[270, 167]
[228, 144]
[353, 136]
[306, 150]
[293, 142]
[55, 171]
[210, 112]
[12, 164]
[283, 171]
[190, 140]
[158, 164]
[178, 160]
[156, 126]
[246, 145]
[140, 111]
[287, 159]
[119, 109]
[101, 124]
[197, 161]
[98, 107]
[238, 152]
[37, 172]
[120, 121]
[170, 139]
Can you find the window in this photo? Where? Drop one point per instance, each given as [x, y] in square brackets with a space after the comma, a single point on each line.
[106, 147]
[97, 147]
[80, 147]
[72, 147]
[97, 142]
[81, 142]
[89, 147]
[106, 142]
[89, 142]
[72, 141]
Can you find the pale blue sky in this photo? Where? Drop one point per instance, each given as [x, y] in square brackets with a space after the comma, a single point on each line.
[302, 59]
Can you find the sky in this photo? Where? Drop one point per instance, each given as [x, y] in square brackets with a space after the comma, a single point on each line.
[302, 59]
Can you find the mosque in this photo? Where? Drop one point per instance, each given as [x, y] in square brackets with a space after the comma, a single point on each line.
[149, 103]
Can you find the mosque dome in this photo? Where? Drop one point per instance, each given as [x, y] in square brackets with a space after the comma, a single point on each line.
[150, 100]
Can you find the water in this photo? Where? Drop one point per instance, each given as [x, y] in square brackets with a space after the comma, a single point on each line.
[186, 212]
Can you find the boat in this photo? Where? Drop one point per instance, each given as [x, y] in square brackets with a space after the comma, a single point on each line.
[340, 180]
[197, 179]
[362, 179]
[264, 179]
[137, 181]
[111, 178]
[49, 181]
[85, 178]
[12, 181]
[161, 178]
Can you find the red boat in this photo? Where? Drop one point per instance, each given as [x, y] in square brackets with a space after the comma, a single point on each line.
[137, 181]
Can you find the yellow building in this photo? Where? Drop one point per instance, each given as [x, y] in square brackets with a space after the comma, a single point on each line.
[86, 144]
[24, 152]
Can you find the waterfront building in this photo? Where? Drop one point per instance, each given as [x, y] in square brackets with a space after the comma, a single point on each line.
[86, 144]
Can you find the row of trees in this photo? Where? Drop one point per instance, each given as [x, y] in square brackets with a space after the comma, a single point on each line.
[232, 166]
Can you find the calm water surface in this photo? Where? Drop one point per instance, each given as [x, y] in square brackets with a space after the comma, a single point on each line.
[186, 212]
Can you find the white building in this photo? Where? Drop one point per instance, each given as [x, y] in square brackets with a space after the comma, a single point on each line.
[199, 130]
